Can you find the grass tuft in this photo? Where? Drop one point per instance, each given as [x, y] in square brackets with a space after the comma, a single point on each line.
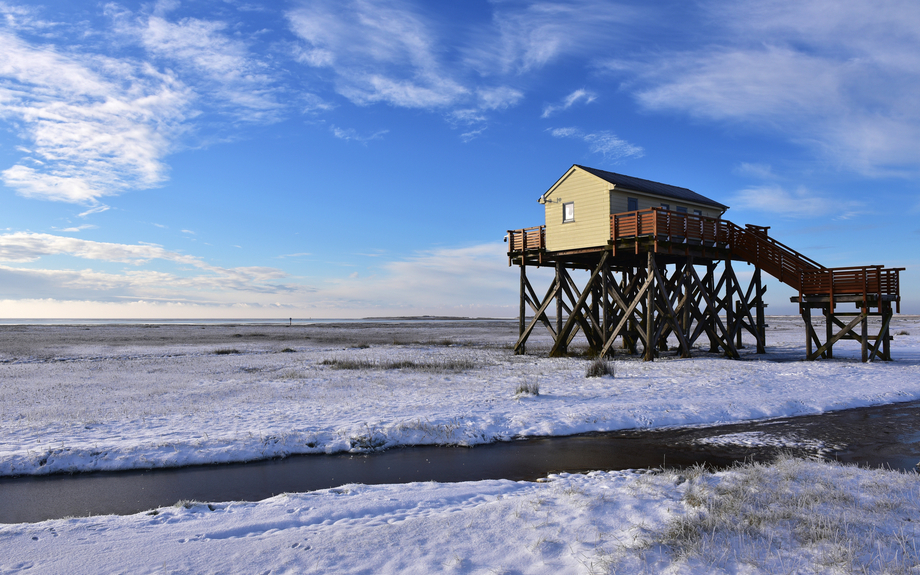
[599, 367]
[288, 350]
[434, 366]
[226, 351]
[528, 388]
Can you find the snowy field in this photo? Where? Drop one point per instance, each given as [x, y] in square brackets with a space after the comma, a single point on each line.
[78, 398]
[121, 397]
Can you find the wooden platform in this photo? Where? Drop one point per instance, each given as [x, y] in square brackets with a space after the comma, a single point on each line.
[643, 243]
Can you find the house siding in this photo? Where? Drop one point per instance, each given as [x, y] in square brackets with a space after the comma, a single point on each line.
[594, 201]
[618, 203]
[591, 227]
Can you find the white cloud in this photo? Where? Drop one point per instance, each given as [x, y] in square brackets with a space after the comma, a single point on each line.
[839, 77]
[79, 228]
[475, 276]
[498, 98]
[798, 203]
[760, 171]
[569, 101]
[605, 143]
[473, 280]
[313, 104]
[396, 53]
[471, 135]
[528, 36]
[215, 63]
[23, 247]
[379, 53]
[97, 125]
[349, 134]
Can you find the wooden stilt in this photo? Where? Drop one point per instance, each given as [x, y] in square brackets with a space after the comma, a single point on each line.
[559, 269]
[761, 323]
[864, 331]
[886, 331]
[650, 310]
[521, 350]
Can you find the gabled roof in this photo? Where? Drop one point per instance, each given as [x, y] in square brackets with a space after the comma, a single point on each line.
[648, 187]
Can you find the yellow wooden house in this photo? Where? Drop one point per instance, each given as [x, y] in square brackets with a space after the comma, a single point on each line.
[578, 206]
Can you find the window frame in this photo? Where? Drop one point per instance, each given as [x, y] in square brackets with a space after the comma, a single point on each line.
[566, 206]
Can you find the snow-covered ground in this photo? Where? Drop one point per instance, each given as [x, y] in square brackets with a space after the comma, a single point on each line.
[791, 517]
[123, 397]
[120, 397]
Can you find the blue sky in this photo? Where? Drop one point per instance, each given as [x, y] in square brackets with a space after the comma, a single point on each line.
[350, 159]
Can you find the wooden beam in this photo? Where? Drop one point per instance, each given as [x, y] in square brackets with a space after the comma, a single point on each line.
[626, 316]
[554, 289]
[835, 339]
[575, 315]
[650, 307]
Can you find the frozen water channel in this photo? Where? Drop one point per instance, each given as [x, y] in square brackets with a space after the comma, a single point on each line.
[881, 436]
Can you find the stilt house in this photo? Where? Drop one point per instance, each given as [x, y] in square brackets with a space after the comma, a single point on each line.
[580, 203]
[660, 261]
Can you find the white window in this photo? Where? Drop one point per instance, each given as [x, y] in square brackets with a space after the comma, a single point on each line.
[665, 207]
[698, 212]
[681, 209]
[568, 212]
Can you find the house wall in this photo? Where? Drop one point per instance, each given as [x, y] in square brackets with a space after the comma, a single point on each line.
[618, 203]
[591, 227]
[594, 201]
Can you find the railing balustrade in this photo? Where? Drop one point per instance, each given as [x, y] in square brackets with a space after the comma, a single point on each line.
[752, 245]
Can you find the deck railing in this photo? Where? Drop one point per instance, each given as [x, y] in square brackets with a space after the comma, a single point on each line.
[527, 239]
[866, 280]
[668, 226]
[752, 244]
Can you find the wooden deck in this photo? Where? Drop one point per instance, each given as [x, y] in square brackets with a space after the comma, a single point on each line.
[679, 234]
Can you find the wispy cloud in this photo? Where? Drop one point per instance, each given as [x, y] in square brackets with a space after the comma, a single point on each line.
[217, 64]
[840, 77]
[759, 171]
[96, 126]
[349, 134]
[528, 36]
[26, 247]
[378, 53]
[605, 143]
[396, 53]
[421, 283]
[79, 228]
[569, 101]
[798, 203]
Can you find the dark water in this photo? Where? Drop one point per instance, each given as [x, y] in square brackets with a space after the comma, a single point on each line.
[877, 436]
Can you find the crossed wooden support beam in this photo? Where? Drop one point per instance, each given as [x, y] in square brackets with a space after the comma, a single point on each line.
[647, 305]
[881, 349]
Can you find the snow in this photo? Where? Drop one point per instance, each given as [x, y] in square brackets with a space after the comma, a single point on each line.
[125, 397]
[83, 406]
[804, 517]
